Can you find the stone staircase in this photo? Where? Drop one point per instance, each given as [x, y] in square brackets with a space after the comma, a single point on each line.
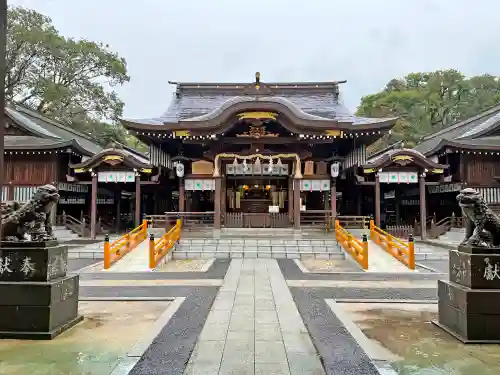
[64, 234]
[453, 237]
[258, 246]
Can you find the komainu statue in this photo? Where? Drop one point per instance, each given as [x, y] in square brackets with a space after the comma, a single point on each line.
[32, 217]
[482, 224]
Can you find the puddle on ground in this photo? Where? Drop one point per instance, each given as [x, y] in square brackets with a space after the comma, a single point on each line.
[187, 265]
[93, 347]
[422, 348]
[333, 265]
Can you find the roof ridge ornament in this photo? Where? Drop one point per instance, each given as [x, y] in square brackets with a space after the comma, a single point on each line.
[257, 88]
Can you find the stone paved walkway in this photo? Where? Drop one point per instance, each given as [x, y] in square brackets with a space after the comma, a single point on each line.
[381, 261]
[254, 327]
[135, 261]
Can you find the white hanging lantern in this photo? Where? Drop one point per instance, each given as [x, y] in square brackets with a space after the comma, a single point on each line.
[179, 170]
[335, 169]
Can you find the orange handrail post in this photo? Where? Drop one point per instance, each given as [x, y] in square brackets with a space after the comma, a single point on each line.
[372, 230]
[151, 251]
[365, 249]
[411, 252]
[107, 255]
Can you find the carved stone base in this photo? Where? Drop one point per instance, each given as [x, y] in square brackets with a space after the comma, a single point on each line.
[38, 310]
[477, 268]
[32, 261]
[37, 299]
[471, 315]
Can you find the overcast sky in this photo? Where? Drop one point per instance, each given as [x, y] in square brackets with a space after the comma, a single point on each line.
[366, 42]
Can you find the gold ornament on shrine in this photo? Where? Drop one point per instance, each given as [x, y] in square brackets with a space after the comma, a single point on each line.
[258, 132]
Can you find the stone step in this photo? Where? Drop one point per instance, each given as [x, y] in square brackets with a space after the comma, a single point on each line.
[254, 242]
[222, 248]
[180, 254]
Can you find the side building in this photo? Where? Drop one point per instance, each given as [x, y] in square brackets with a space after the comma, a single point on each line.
[472, 150]
[39, 150]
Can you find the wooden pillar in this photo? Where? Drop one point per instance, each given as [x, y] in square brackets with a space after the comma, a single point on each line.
[223, 198]
[359, 199]
[377, 201]
[217, 202]
[118, 198]
[137, 201]
[182, 196]
[397, 197]
[334, 199]
[296, 203]
[290, 199]
[93, 207]
[423, 207]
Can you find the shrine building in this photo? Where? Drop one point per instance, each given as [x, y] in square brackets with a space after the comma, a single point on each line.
[259, 154]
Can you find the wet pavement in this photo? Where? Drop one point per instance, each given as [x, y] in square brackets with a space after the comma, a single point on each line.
[418, 346]
[93, 347]
[278, 316]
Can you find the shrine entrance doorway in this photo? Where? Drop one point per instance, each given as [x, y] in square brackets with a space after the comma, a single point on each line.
[257, 202]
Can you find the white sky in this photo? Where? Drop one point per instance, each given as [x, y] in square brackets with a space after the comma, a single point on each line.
[366, 42]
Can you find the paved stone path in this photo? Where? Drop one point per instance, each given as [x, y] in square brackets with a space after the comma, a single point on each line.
[254, 327]
[135, 261]
[381, 261]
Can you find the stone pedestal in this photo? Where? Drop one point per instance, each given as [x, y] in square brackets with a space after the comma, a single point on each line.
[469, 303]
[38, 300]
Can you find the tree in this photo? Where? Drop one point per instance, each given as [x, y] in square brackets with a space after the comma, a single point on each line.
[428, 102]
[69, 80]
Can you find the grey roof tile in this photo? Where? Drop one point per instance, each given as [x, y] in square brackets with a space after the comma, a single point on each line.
[468, 131]
[202, 104]
[28, 141]
[44, 127]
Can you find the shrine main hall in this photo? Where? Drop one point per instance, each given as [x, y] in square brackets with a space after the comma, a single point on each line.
[266, 154]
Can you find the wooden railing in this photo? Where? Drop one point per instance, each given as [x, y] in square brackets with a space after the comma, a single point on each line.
[401, 250]
[116, 250]
[190, 220]
[256, 220]
[75, 225]
[159, 249]
[444, 225]
[354, 222]
[357, 248]
[320, 219]
[401, 230]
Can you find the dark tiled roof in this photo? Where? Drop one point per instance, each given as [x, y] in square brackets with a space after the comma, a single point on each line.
[43, 127]
[198, 103]
[466, 132]
[28, 141]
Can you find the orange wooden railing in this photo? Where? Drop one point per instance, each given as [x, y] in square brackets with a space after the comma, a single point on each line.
[401, 250]
[116, 250]
[159, 249]
[357, 248]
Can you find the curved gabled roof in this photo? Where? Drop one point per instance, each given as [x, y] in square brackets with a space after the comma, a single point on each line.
[469, 133]
[44, 129]
[414, 156]
[129, 159]
[312, 104]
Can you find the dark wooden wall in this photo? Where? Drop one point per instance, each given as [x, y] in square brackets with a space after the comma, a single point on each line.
[481, 170]
[24, 169]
